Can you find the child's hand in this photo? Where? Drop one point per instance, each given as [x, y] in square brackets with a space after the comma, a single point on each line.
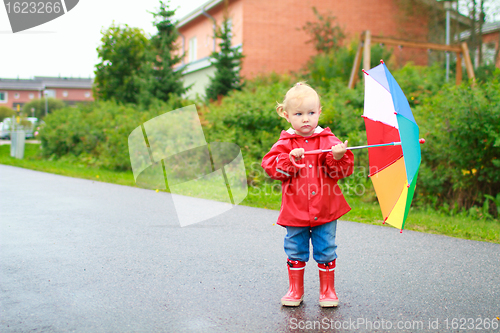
[297, 153]
[339, 150]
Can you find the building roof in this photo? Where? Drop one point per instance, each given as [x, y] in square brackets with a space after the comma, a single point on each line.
[198, 12]
[488, 28]
[40, 83]
[20, 84]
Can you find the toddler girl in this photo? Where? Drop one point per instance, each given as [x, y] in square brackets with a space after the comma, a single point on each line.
[311, 199]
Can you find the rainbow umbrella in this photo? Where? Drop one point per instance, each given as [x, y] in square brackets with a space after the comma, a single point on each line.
[393, 168]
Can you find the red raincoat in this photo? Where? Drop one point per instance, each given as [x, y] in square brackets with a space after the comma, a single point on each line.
[310, 196]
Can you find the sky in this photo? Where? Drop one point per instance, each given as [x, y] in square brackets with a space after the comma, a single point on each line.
[67, 45]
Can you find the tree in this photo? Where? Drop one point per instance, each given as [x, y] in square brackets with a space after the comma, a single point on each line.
[326, 34]
[158, 77]
[227, 64]
[38, 106]
[479, 12]
[122, 54]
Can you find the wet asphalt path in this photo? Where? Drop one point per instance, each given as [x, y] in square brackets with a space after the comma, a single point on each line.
[84, 256]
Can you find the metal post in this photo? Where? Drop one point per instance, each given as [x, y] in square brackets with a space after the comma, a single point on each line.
[447, 6]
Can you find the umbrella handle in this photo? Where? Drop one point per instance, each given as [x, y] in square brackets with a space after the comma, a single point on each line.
[319, 151]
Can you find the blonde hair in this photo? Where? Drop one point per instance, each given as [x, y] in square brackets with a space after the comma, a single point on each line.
[297, 92]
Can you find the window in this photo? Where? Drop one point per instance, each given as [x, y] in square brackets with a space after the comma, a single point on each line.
[489, 53]
[3, 97]
[16, 96]
[87, 94]
[31, 96]
[65, 93]
[50, 93]
[192, 49]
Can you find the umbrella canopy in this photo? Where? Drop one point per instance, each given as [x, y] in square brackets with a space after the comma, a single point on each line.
[393, 169]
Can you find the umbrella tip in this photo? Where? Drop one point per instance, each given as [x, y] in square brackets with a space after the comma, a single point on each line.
[401, 231]
[422, 141]
[381, 61]
[385, 220]
[365, 72]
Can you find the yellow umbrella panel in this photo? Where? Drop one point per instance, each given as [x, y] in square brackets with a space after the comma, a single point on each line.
[391, 187]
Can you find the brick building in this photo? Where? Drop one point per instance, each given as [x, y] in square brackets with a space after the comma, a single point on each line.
[14, 92]
[272, 39]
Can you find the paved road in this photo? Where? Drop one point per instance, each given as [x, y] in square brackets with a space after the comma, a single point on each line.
[84, 256]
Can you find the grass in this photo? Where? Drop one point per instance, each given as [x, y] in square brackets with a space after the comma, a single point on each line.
[32, 160]
[269, 197]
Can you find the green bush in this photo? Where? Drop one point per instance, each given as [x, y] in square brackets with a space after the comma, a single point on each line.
[418, 82]
[97, 133]
[6, 112]
[461, 157]
[39, 107]
[486, 72]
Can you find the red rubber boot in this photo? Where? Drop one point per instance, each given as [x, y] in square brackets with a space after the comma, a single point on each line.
[295, 294]
[327, 295]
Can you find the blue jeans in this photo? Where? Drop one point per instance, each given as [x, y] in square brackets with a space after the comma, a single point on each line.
[322, 239]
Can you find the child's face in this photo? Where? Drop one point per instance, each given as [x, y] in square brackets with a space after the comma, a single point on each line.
[304, 115]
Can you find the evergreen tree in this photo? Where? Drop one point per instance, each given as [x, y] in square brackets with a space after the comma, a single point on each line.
[227, 64]
[158, 76]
